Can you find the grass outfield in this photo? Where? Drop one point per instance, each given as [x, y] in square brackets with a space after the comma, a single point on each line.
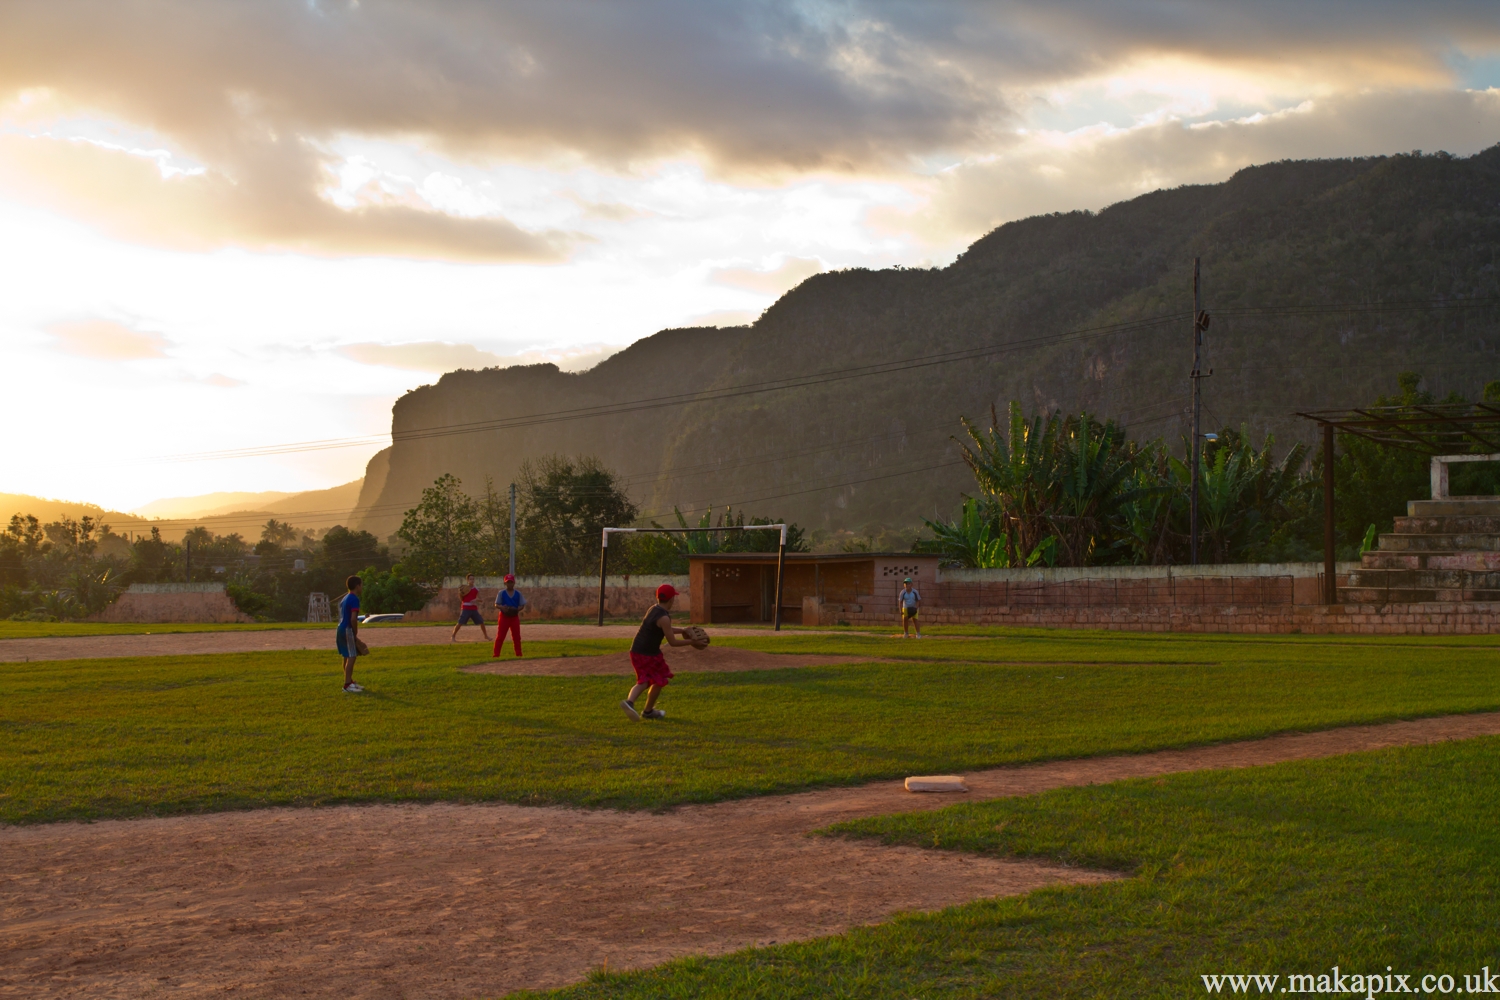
[1374, 860]
[157, 735]
[50, 630]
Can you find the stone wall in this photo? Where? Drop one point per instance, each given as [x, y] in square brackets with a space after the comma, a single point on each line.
[160, 603]
[560, 597]
[1258, 598]
[1347, 619]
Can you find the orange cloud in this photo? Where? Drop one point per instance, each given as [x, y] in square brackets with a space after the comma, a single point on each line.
[792, 272]
[438, 356]
[106, 339]
[271, 206]
[260, 92]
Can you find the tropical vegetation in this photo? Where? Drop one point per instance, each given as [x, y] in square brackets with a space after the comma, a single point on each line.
[1071, 490]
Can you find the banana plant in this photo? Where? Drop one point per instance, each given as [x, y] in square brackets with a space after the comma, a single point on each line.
[972, 540]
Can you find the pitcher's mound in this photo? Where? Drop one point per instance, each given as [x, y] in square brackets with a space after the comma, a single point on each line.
[714, 659]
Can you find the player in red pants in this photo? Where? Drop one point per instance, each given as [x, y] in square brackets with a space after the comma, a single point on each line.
[509, 603]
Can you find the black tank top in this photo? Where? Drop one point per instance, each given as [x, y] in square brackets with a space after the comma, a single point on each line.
[649, 639]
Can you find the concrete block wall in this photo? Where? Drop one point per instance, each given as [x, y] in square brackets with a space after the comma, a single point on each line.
[159, 603]
[1339, 619]
[560, 597]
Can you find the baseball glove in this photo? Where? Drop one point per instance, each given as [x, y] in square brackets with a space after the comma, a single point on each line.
[360, 649]
[697, 637]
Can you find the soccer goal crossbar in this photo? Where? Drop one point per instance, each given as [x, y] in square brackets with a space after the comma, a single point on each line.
[780, 554]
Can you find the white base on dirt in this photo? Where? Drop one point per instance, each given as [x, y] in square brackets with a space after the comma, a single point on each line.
[936, 783]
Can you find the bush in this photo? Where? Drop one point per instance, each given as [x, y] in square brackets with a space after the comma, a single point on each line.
[391, 592]
[256, 605]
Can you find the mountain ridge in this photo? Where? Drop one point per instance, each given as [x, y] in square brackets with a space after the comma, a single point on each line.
[857, 453]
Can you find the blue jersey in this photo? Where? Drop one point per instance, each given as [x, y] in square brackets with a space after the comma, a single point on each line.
[348, 609]
[509, 602]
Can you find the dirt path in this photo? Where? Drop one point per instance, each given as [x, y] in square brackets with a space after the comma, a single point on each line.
[460, 901]
[76, 647]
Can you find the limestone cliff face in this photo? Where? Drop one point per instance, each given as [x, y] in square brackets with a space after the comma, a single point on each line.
[849, 449]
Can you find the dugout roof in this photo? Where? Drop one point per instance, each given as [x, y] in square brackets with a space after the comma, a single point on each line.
[1432, 428]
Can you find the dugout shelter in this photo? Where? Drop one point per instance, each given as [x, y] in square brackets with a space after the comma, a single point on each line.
[729, 587]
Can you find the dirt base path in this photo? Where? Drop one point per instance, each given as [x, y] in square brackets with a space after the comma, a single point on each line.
[76, 647]
[460, 901]
[713, 660]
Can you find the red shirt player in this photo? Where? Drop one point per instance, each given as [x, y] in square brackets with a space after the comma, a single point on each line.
[468, 609]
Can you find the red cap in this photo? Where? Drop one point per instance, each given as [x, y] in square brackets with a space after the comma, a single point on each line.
[666, 592]
[510, 578]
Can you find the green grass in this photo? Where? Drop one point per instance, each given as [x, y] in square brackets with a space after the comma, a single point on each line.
[50, 630]
[1373, 860]
[82, 739]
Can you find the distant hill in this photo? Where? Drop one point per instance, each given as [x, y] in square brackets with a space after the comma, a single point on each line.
[312, 510]
[209, 503]
[1306, 269]
[52, 510]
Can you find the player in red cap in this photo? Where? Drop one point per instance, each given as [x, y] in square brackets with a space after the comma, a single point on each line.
[651, 670]
[509, 603]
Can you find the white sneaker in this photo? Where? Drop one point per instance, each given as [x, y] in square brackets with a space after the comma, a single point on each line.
[630, 711]
[352, 688]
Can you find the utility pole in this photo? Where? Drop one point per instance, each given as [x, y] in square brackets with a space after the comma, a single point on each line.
[188, 563]
[1200, 323]
[512, 529]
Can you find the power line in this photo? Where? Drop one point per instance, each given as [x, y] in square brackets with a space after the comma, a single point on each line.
[680, 399]
[822, 378]
[251, 519]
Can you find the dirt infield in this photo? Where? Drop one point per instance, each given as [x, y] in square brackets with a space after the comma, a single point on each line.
[462, 900]
[78, 647]
[713, 660]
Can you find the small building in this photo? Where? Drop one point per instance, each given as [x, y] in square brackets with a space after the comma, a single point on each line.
[732, 587]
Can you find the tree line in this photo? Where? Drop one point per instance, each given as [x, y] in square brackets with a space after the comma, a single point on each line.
[563, 503]
[1072, 490]
[66, 569]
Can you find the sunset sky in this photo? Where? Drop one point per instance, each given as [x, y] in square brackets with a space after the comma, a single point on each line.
[238, 224]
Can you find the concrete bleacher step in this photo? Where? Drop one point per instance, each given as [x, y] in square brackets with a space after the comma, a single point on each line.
[1454, 507]
[1442, 551]
[1401, 541]
[1474, 560]
[1425, 579]
[1456, 524]
[1382, 595]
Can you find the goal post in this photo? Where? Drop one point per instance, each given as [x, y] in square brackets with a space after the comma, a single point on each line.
[780, 554]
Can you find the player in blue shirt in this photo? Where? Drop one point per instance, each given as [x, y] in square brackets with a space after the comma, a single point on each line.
[348, 634]
[509, 603]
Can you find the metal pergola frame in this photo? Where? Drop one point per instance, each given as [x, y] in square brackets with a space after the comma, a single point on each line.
[780, 554]
[1426, 428]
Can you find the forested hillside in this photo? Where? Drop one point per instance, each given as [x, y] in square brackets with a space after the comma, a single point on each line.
[1323, 279]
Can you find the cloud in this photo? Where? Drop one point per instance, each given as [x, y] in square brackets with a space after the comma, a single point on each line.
[1095, 167]
[222, 381]
[271, 205]
[725, 317]
[775, 82]
[107, 340]
[439, 356]
[262, 94]
[792, 272]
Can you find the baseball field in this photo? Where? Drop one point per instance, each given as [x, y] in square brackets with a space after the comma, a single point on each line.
[1145, 810]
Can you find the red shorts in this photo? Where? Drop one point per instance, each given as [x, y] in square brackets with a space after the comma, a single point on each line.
[652, 670]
